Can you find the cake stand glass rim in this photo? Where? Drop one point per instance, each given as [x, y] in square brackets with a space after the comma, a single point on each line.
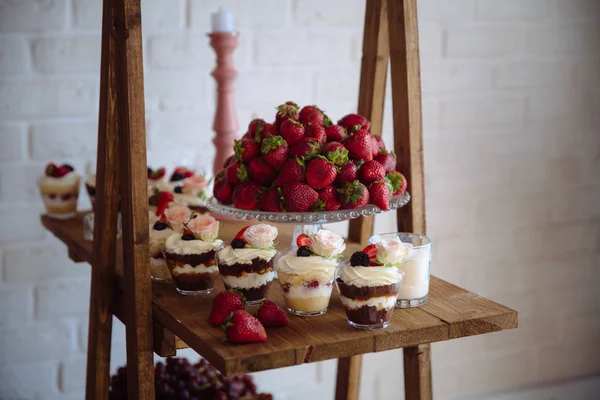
[318, 217]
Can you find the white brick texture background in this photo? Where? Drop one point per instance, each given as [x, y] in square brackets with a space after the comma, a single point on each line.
[511, 100]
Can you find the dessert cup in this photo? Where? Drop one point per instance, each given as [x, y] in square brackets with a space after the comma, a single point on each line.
[60, 194]
[192, 263]
[306, 282]
[159, 233]
[368, 294]
[90, 187]
[249, 269]
[416, 267]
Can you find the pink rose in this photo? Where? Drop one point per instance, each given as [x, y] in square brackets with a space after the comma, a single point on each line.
[176, 215]
[205, 227]
[194, 184]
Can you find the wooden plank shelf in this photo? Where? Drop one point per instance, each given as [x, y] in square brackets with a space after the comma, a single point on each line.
[181, 321]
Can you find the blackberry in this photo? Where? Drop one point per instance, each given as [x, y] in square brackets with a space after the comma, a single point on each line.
[188, 236]
[178, 189]
[360, 259]
[303, 251]
[176, 177]
[69, 167]
[160, 226]
[238, 243]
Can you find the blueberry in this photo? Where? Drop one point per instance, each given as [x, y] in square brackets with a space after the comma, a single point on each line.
[188, 236]
[160, 226]
[178, 189]
[303, 251]
[176, 177]
[360, 259]
[238, 243]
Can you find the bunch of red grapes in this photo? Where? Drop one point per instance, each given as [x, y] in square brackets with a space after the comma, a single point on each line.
[180, 380]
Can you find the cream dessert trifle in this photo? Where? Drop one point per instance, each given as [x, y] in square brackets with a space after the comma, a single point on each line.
[368, 288]
[306, 273]
[191, 255]
[193, 192]
[59, 187]
[247, 263]
[90, 187]
[416, 250]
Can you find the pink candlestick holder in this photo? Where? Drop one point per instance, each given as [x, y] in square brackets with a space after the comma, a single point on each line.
[226, 123]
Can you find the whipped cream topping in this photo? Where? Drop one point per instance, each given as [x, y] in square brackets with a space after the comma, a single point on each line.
[176, 245]
[290, 263]
[159, 235]
[70, 179]
[370, 276]
[327, 243]
[230, 256]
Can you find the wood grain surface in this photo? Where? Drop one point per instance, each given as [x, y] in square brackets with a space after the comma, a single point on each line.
[450, 312]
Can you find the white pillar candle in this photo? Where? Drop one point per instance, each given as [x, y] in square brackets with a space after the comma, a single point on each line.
[221, 21]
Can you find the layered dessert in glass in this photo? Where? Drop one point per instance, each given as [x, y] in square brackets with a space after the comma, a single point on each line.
[193, 192]
[368, 289]
[191, 255]
[306, 272]
[415, 264]
[159, 233]
[247, 263]
[59, 187]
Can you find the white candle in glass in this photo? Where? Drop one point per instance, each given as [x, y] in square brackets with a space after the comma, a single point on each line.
[221, 21]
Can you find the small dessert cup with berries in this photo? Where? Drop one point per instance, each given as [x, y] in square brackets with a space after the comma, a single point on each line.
[368, 289]
[306, 272]
[247, 263]
[59, 187]
[191, 255]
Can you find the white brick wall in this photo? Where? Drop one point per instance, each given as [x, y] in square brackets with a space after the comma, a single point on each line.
[510, 99]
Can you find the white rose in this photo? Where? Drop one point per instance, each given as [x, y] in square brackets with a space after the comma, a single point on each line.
[327, 243]
[391, 251]
[261, 235]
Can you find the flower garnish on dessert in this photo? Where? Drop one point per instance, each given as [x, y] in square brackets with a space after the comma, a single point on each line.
[369, 288]
[247, 263]
[59, 187]
[180, 174]
[306, 274]
[176, 215]
[191, 254]
[193, 192]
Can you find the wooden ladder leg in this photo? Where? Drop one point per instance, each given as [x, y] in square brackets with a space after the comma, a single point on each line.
[348, 378]
[408, 145]
[105, 226]
[134, 201]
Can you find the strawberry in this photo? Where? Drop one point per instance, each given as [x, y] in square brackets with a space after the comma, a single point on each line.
[370, 172]
[354, 195]
[271, 315]
[245, 195]
[245, 149]
[388, 160]
[379, 146]
[371, 251]
[261, 171]
[275, 151]
[359, 145]
[156, 174]
[299, 197]
[292, 131]
[288, 110]
[398, 182]
[303, 241]
[320, 173]
[306, 148]
[222, 191]
[379, 194]
[243, 327]
[351, 121]
[328, 198]
[348, 173]
[240, 234]
[269, 130]
[307, 114]
[51, 170]
[374, 146]
[256, 126]
[63, 170]
[181, 172]
[228, 161]
[316, 132]
[236, 173]
[270, 200]
[336, 153]
[291, 171]
[335, 133]
[162, 202]
[223, 305]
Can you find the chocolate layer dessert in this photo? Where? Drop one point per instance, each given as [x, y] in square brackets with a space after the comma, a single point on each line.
[242, 277]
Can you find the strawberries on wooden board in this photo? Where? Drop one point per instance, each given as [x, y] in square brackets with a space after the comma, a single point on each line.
[271, 315]
[243, 327]
[223, 305]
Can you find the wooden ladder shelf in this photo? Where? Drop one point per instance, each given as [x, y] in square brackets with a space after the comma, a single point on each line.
[159, 320]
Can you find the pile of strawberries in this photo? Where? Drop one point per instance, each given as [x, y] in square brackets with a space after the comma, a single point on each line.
[239, 325]
[304, 162]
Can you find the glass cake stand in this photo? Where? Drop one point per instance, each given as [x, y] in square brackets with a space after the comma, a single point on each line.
[304, 222]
